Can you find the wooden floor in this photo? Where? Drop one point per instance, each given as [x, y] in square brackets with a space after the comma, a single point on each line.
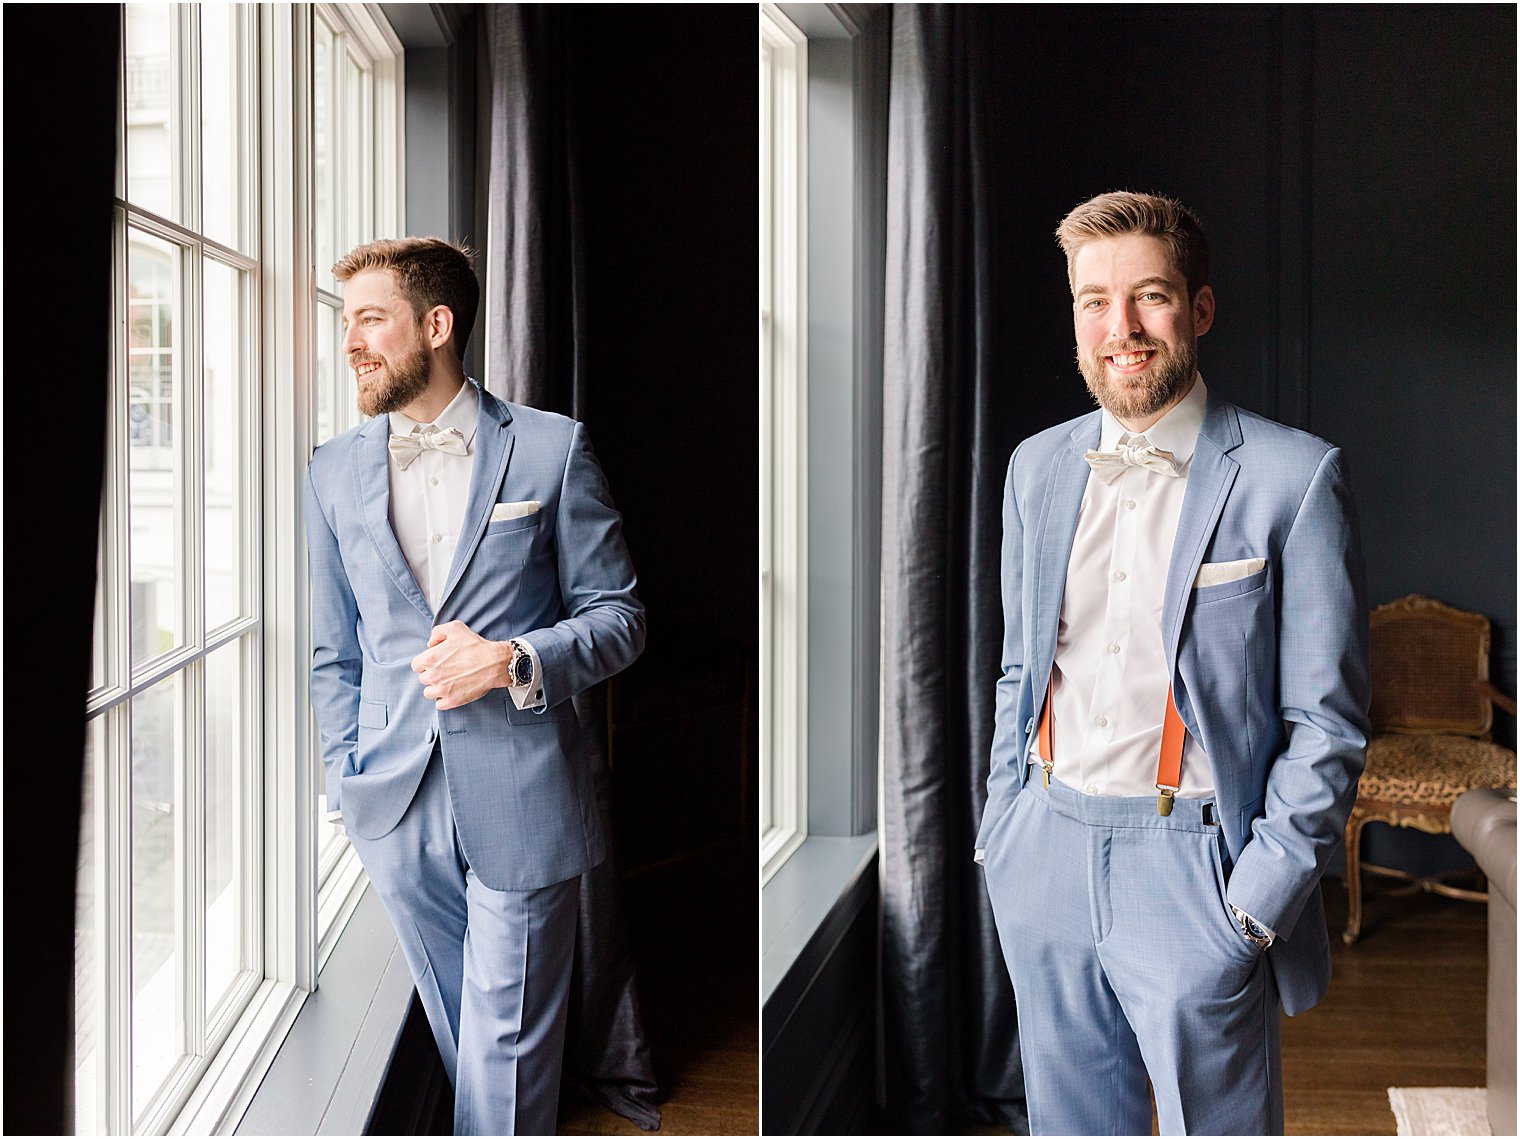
[1406, 1008]
[699, 987]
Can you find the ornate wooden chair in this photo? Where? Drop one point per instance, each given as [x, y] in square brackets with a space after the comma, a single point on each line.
[1432, 720]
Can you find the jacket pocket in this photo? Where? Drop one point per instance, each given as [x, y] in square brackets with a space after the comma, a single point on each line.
[528, 717]
[372, 714]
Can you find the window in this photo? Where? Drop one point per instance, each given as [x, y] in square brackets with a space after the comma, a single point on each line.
[194, 944]
[783, 441]
[170, 930]
[355, 75]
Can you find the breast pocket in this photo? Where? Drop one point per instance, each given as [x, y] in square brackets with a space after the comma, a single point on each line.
[1208, 594]
[513, 540]
[514, 525]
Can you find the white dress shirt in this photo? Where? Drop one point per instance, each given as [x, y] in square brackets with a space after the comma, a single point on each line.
[1109, 685]
[428, 497]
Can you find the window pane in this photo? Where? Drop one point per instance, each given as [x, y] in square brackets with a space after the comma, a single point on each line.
[327, 833]
[224, 121]
[226, 434]
[227, 754]
[357, 184]
[154, 371]
[88, 970]
[322, 60]
[157, 1018]
[325, 385]
[153, 130]
[98, 664]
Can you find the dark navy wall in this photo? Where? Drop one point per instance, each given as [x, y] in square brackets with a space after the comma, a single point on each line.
[1413, 299]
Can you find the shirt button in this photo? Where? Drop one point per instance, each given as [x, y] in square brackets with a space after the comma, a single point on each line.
[433, 482]
[1119, 575]
[1113, 648]
[439, 538]
[1129, 504]
[1102, 721]
[1092, 788]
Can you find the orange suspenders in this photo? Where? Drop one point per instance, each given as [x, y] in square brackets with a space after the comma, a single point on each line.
[1168, 764]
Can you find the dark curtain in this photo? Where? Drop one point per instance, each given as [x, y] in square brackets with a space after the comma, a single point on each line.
[532, 268]
[949, 1032]
[60, 134]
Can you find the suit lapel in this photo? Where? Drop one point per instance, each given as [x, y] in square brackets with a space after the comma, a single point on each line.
[372, 487]
[1054, 534]
[493, 449]
[1209, 481]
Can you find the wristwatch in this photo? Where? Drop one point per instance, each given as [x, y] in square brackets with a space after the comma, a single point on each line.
[520, 667]
[1252, 930]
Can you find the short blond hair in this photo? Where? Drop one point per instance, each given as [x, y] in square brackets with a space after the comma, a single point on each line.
[1121, 212]
[429, 272]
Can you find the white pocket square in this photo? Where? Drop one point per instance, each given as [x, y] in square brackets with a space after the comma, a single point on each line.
[505, 511]
[1217, 573]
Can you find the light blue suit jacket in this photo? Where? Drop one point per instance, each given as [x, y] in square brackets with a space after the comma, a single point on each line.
[521, 790]
[1270, 672]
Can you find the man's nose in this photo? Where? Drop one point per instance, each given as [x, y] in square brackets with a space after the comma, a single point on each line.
[353, 341]
[1126, 319]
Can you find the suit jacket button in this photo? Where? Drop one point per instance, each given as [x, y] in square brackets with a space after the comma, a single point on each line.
[1029, 727]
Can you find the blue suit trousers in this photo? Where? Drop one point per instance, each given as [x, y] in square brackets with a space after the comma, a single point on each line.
[492, 967]
[1126, 964]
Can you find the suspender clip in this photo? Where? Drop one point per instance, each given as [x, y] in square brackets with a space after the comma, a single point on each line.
[1164, 800]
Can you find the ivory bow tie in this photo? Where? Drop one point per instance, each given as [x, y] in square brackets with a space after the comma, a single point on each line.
[406, 448]
[1109, 465]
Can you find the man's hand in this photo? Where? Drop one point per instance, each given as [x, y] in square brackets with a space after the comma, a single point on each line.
[461, 666]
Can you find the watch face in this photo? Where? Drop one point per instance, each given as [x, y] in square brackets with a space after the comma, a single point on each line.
[522, 669]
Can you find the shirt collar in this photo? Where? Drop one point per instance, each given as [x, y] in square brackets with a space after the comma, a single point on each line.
[1176, 431]
[461, 414]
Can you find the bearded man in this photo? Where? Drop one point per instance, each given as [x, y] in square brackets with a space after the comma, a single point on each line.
[1181, 717]
[469, 576]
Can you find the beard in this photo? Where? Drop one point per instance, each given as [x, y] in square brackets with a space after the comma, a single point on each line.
[399, 381]
[1140, 396]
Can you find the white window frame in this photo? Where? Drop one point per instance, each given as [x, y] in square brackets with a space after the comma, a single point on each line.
[783, 440]
[209, 1090]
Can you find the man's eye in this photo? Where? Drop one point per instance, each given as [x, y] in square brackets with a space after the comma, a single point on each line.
[1093, 304]
[1153, 296]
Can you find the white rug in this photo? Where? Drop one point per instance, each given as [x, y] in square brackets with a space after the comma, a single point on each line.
[1440, 1111]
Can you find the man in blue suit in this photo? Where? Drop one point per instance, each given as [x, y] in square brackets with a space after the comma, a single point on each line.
[1181, 717]
[469, 576]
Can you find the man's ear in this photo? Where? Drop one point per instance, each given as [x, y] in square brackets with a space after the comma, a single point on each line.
[440, 325]
[1203, 310]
